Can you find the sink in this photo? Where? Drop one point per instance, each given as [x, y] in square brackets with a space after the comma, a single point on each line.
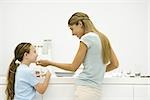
[64, 74]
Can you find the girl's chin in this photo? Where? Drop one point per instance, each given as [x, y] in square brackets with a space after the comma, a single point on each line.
[33, 61]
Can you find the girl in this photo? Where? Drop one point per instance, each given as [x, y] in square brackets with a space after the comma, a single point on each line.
[96, 54]
[22, 82]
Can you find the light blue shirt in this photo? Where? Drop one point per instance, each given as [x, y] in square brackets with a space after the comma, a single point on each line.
[25, 80]
[94, 68]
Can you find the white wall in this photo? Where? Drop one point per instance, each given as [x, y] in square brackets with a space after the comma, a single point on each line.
[149, 35]
[0, 38]
[125, 22]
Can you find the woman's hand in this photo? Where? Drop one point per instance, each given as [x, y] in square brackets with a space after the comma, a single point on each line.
[44, 63]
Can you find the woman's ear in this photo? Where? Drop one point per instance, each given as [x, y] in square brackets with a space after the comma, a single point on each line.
[80, 23]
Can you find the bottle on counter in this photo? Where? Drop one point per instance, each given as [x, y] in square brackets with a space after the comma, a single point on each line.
[47, 47]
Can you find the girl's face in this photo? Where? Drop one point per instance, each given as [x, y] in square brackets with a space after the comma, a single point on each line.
[77, 30]
[32, 55]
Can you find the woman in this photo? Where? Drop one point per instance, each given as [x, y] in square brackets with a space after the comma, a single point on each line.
[96, 54]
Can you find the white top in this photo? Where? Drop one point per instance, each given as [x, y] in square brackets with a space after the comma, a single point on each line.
[25, 80]
[94, 68]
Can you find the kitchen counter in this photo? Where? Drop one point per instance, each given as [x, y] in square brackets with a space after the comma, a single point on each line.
[67, 77]
[113, 88]
[129, 87]
[107, 80]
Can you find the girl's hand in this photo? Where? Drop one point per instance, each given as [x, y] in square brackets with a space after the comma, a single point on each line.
[48, 74]
[44, 63]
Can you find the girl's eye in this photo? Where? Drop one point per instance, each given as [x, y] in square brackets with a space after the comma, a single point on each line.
[71, 29]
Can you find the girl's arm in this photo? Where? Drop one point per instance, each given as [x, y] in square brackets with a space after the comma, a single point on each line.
[70, 67]
[41, 87]
[113, 62]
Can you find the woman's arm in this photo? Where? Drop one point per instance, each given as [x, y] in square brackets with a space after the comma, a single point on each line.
[113, 62]
[70, 67]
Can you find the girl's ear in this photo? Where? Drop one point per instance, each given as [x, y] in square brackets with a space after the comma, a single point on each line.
[25, 54]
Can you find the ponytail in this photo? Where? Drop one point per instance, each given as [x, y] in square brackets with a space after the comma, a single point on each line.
[106, 48]
[11, 80]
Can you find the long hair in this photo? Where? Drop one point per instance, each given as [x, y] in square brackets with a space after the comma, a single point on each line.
[89, 27]
[18, 53]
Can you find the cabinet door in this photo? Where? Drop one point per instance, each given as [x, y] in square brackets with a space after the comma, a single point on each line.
[2, 92]
[142, 92]
[117, 92]
[3, 95]
[59, 92]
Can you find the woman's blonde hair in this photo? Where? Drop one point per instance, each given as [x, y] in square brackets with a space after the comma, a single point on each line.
[89, 27]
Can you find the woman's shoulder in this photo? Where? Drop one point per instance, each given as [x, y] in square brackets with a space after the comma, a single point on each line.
[90, 34]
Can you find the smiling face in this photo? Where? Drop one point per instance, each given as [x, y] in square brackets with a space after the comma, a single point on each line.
[77, 29]
[32, 55]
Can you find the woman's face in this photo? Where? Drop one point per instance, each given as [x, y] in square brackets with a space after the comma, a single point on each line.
[77, 30]
[32, 55]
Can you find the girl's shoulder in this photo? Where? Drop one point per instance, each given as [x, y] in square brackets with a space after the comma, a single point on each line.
[24, 69]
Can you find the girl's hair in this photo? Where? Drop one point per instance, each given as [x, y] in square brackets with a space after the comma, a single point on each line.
[18, 53]
[89, 27]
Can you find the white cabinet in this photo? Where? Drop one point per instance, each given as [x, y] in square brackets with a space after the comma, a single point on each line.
[59, 92]
[141, 92]
[117, 92]
[120, 89]
[109, 92]
[3, 95]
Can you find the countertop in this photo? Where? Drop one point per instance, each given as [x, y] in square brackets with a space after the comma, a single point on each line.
[107, 80]
[114, 78]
